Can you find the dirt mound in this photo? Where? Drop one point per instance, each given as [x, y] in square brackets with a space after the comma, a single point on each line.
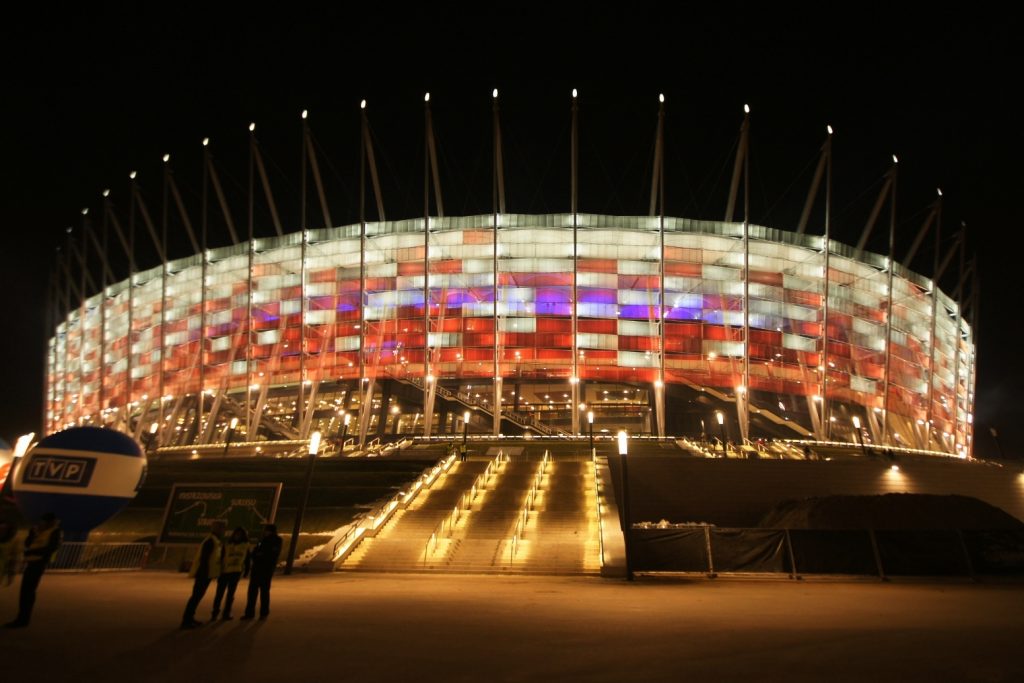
[889, 511]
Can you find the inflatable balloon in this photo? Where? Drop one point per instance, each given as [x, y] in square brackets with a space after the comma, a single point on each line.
[84, 475]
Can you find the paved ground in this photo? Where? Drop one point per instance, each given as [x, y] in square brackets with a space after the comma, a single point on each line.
[366, 627]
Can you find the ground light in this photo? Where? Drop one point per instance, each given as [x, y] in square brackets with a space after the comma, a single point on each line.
[721, 425]
[314, 446]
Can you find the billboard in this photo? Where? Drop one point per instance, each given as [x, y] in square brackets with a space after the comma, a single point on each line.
[191, 508]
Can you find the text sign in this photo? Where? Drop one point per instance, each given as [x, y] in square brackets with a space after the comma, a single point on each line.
[192, 508]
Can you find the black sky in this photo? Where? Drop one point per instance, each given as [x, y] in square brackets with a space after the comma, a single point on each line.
[92, 96]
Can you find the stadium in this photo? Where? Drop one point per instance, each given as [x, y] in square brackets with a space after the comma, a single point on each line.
[554, 324]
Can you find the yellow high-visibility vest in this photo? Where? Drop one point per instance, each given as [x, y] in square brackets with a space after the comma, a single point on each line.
[234, 556]
[216, 558]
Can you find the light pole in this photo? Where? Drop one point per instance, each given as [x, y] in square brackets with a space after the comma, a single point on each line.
[314, 446]
[627, 525]
[590, 420]
[860, 437]
[721, 425]
[465, 435]
[231, 433]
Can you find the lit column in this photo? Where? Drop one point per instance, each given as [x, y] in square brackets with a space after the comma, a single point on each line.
[659, 405]
[826, 407]
[860, 437]
[204, 266]
[575, 377]
[344, 431]
[230, 434]
[889, 313]
[659, 383]
[590, 420]
[498, 208]
[721, 426]
[744, 415]
[248, 295]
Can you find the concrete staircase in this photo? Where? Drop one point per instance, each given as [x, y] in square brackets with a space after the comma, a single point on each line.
[457, 527]
[399, 544]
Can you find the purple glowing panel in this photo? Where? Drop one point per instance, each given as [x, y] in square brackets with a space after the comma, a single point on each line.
[680, 313]
[597, 296]
[552, 296]
[635, 311]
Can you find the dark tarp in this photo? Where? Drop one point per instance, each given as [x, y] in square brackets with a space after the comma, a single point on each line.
[921, 553]
[679, 550]
[996, 552]
[832, 552]
[749, 550]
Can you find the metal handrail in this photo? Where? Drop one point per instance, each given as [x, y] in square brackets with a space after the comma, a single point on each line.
[471, 401]
[89, 557]
[524, 517]
[465, 502]
[359, 525]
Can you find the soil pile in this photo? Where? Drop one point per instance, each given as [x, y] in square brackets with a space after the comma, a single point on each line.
[890, 511]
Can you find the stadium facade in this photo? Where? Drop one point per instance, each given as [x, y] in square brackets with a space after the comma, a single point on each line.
[532, 322]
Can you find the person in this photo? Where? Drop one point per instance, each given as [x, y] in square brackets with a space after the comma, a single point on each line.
[40, 548]
[462, 452]
[206, 566]
[236, 552]
[8, 552]
[259, 567]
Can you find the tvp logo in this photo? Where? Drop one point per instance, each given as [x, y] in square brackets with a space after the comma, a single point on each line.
[60, 470]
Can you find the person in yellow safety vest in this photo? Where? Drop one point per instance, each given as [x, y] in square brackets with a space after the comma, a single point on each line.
[236, 552]
[40, 548]
[206, 566]
[462, 452]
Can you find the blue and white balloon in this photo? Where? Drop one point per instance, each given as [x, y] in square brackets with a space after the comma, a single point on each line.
[84, 475]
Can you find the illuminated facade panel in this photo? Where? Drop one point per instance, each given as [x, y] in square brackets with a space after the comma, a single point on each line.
[640, 300]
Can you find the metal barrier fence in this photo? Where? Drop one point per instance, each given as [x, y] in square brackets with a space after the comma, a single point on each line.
[100, 557]
[795, 552]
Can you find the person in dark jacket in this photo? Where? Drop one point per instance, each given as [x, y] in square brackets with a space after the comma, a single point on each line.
[259, 568]
[40, 547]
[206, 566]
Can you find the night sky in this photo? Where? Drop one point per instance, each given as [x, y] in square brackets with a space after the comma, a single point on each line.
[92, 96]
